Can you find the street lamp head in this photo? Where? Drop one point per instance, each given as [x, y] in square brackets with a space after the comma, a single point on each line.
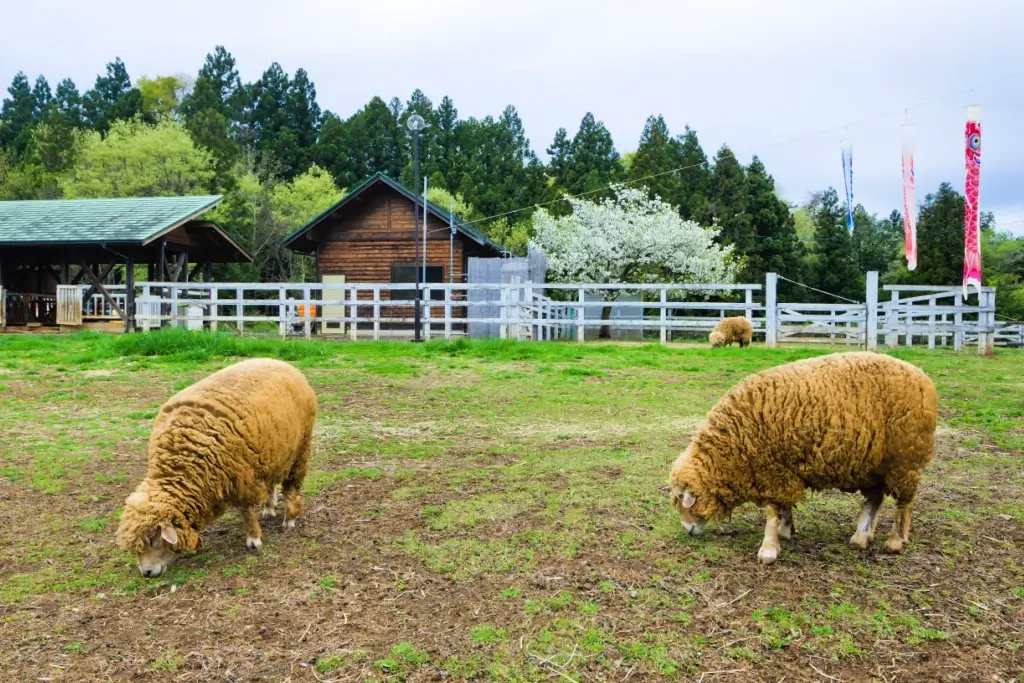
[415, 123]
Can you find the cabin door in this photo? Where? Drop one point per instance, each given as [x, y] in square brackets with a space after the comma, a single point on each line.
[333, 294]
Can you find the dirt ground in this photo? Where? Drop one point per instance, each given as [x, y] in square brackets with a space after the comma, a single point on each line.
[496, 520]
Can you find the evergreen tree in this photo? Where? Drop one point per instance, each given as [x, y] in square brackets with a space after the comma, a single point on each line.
[447, 118]
[67, 106]
[940, 240]
[728, 203]
[16, 116]
[694, 178]
[284, 120]
[592, 162]
[303, 121]
[213, 111]
[331, 153]
[875, 241]
[429, 152]
[656, 160]
[777, 248]
[44, 98]
[112, 98]
[560, 153]
[835, 267]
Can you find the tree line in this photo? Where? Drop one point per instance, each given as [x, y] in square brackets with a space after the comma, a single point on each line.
[279, 159]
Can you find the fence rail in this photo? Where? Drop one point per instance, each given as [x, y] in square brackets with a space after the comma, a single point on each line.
[936, 316]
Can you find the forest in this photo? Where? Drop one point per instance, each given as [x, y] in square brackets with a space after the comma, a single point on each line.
[279, 159]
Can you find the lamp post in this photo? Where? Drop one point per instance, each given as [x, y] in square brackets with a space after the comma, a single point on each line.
[415, 123]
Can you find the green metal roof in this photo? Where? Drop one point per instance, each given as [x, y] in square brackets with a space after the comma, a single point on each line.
[130, 220]
[459, 224]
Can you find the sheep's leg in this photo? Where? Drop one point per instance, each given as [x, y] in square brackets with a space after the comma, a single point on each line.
[867, 521]
[253, 533]
[786, 529]
[291, 489]
[270, 506]
[770, 545]
[900, 528]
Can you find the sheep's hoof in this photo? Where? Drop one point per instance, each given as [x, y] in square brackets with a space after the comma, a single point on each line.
[786, 532]
[767, 555]
[859, 541]
[289, 524]
[268, 511]
[253, 543]
[894, 545]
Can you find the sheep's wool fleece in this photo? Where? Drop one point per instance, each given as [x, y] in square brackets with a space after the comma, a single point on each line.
[850, 421]
[728, 330]
[222, 440]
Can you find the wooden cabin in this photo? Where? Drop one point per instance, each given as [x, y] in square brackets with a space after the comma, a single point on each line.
[369, 236]
[92, 247]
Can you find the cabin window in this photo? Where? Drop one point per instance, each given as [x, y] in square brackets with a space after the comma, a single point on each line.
[408, 274]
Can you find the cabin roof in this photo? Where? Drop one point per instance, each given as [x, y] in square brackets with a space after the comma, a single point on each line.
[299, 240]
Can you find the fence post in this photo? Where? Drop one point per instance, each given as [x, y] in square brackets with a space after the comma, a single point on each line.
[282, 312]
[528, 308]
[958, 321]
[240, 309]
[426, 313]
[353, 314]
[307, 313]
[147, 309]
[987, 348]
[871, 314]
[749, 300]
[174, 305]
[931, 323]
[376, 312]
[909, 329]
[771, 311]
[448, 313]
[580, 316]
[892, 337]
[664, 314]
[214, 312]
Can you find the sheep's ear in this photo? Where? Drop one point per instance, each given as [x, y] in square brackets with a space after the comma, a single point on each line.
[137, 498]
[688, 499]
[168, 533]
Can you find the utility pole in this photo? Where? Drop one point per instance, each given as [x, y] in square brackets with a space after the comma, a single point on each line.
[415, 123]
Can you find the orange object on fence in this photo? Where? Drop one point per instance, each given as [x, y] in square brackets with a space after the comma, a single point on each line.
[302, 311]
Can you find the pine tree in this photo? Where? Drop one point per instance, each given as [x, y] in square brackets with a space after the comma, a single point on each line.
[694, 178]
[940, 240]
[303, 122]
[656, 160]
[728, 203]
[16, 116]
[67, 105]
[268, 122]
[447, 118]
[213, 112]
[592, 163]
[429, 151]
[777, 248]
[112, 98]
[43, 97]
[835, 266]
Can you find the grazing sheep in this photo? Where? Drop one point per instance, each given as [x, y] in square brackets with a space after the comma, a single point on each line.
[849, 421]
[729, 330]
[225, 441]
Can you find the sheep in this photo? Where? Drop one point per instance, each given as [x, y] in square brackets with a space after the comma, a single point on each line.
[858, 421]
[729, 330]
[227, 440]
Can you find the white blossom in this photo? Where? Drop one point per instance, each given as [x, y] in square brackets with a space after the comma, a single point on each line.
[630, 239]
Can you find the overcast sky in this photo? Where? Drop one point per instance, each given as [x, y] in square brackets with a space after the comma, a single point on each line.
[778, 79]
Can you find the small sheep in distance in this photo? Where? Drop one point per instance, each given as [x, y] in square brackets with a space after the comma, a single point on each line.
[227, 440]
[728, 330]
[855, 421]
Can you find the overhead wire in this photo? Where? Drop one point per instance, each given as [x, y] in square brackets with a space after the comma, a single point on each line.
[822, 131]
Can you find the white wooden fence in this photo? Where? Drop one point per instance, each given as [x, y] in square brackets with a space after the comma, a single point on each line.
[936, 316]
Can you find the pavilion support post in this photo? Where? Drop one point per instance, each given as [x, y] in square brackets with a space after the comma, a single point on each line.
[129, 294]
[65, 272]
[150, 271]
[208, 272]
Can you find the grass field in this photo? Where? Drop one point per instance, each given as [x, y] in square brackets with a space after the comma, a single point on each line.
[494, 511]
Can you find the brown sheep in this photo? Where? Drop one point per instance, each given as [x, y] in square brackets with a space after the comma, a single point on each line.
[849, 421]
[729, 330]
[227, 440]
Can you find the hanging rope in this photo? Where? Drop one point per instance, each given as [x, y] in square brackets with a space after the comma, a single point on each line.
[820, 291]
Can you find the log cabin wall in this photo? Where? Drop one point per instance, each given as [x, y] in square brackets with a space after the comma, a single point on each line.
[380, 231]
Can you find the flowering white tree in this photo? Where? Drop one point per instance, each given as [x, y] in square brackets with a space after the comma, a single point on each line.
[630, 239]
